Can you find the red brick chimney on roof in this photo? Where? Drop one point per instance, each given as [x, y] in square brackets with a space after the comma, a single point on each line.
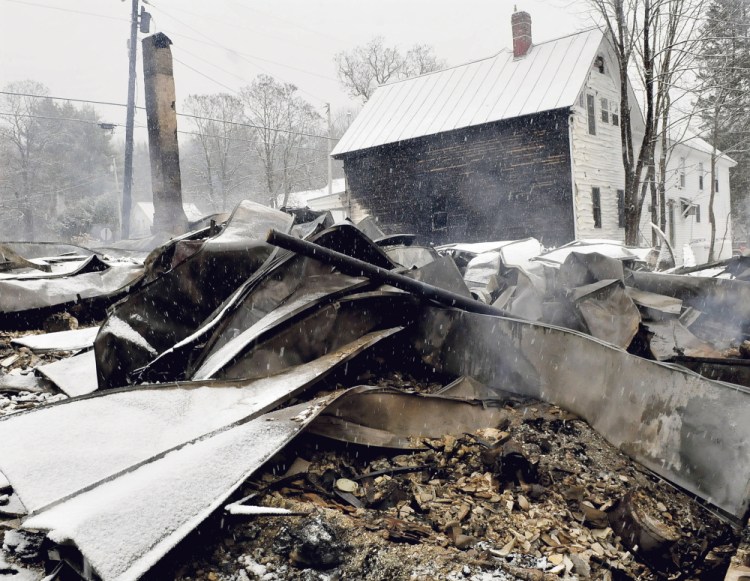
[521, 23]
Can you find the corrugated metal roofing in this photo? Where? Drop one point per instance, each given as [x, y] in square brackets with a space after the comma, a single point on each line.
[501, 87]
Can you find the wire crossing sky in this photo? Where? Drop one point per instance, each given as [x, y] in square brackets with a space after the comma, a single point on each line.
[79, 48]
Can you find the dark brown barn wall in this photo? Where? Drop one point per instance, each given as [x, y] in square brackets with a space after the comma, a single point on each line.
[500, 181]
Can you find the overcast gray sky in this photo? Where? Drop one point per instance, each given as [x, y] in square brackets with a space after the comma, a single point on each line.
[77, 48]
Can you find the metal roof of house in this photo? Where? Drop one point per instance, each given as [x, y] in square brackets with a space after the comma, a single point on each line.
[549, 77]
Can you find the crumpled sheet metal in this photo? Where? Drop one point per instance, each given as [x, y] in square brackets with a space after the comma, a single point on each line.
[124, 526]
[36, 250]
[655, 306]
[59, 341]
[11, 260]
[671, 338]
[690, 430]
[83, 442]
[393, 419]
[317, 291]
[607, 311]
[411, 256]
[318, 331]
[724, 299]
[270, 286]
[73, 376]
[610, 248]
[92, 278]
[172, 306]
[580, 269]
[442, 273]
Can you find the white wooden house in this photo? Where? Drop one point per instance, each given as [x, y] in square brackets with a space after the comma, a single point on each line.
[688, 192]
[523, 143]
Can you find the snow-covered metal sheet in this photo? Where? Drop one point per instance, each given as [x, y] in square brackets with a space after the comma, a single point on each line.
[559, 255]
[124, 526]
[73, 376]
[556, 75]
[60, 341]
[688, 429]
[478, 106]
[80, 443]
[54, 289]
[501, 87]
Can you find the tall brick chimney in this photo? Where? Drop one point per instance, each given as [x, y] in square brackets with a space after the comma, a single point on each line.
[521, 23]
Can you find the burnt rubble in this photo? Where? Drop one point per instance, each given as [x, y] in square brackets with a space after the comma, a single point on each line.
[220, 407]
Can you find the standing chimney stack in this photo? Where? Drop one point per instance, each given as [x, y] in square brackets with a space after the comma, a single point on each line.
[521, 24]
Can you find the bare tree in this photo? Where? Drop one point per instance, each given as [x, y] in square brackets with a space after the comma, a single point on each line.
[657, 39]
[362, 69]
[286, 134]
[217, 119]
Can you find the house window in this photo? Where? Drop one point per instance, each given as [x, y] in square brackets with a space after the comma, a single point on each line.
[670, 217]
[698, 213]
[599, 64]
[700, 177]
[580, 100]
[590, 106]
[615, 114]
[596, 203]
[605, 111]
[439, 214]
[716, 189]
[621, 208]
[682, 172]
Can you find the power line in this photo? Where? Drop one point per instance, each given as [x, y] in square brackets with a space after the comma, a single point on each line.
[86, 121]
[208, 62]
[326, 34]
[254, 30]
[250, 125]
[211, 42]
[205, 75]
[87, 101]
[83, 12]
[248, 140]
[58, 118]
[237, 123]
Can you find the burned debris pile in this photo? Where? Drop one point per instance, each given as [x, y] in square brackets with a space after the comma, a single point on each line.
[468, 411]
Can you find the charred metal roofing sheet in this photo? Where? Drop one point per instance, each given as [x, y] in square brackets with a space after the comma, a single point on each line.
[501, 87]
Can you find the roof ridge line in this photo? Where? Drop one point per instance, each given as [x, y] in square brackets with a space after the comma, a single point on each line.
[492, 56]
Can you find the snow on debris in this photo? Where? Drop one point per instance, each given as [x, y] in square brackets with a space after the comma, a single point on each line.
[124, 526]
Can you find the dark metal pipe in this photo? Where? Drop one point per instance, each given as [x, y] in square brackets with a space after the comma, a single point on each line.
[355, 267]
[689, 269]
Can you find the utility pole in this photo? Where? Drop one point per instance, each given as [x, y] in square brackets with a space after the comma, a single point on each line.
[129, 121]
[117, 189]
[330, 149]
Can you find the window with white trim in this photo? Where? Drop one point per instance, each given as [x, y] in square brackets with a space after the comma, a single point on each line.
[682, 172]
[591, 109]
[605, 110]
